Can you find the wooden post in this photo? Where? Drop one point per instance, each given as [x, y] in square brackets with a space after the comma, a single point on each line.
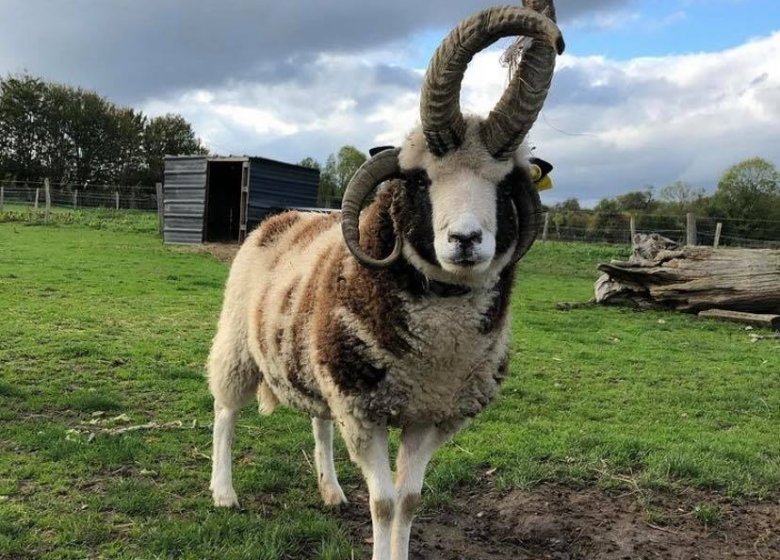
[691, 235]
[2, 197]
[75, 199]
[37, 193]
[718, 227]
[160, 207]
[47, 194]
[546, 226]
[632, 226]
[116, 196]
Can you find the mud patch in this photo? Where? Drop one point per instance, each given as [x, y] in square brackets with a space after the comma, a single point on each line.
[559, 523]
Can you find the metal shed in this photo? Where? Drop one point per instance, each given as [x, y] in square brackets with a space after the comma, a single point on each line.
[210, 198]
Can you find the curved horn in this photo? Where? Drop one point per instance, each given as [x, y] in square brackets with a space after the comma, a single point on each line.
[442, 120]
[381, 167]
[527, 208]
[515, 113]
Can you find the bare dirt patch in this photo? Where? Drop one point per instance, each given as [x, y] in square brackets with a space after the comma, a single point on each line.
[224, 252]
[559, 523]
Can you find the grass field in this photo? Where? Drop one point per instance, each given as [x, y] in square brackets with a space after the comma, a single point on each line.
[102, 328]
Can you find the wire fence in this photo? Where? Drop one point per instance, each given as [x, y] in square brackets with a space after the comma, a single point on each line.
[618, 227]
[16, 195]
[29, 201]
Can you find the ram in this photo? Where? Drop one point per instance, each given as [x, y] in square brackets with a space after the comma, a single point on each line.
[394, 315]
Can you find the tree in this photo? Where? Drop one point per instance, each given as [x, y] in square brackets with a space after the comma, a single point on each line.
[569, 220]
[22, 129]
[349, 159]
[608, 222]
[168, 135]
[336, 174]
[310, 162]
[750, 191]
[72, 135]
[568, 205]
[640, 201]
[327, 193]
[682, 195]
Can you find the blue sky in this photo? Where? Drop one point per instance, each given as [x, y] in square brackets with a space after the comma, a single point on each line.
[640, 28]
[659, 28]
[648, 92]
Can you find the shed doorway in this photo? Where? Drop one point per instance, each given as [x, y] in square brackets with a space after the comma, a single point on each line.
[224, 216]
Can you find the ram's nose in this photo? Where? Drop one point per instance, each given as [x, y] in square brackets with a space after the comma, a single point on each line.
[465, 240]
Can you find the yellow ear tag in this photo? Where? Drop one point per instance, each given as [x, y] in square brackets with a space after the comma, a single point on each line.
[541, 183]
[544, 184]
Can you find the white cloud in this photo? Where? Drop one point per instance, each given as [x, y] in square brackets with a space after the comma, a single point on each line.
[609, 126]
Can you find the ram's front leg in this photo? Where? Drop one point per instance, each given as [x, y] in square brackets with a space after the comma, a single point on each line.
[418, 444]
[367, 447]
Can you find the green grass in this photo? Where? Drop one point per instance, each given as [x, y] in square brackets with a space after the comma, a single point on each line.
[103, 327]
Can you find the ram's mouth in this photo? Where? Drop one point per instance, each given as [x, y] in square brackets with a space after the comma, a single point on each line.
[465, 264]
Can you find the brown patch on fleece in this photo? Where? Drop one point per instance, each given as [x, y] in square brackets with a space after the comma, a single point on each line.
[344, 284]
[348, 362]
[272, 228]
[301, 320]
[260, 323]
[374, 295]
[409, 505]
[383, 509]
[287, 298]
[312, 227]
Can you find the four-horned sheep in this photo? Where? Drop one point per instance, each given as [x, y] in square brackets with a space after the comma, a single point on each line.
[395, 315]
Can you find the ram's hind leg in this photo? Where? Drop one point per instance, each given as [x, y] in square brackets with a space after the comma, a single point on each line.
[330, 490]
[233, 380]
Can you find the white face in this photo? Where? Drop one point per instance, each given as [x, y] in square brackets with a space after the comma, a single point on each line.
[460, 207]
[464, 222]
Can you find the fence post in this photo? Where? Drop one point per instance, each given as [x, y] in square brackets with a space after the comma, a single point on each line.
[116, 196]
[632, 226]
[47, 194]
[691, 235]
[546, 226]
[2, 197]
[37, 192]
[718, 227]
[75, 199]
[160, 207]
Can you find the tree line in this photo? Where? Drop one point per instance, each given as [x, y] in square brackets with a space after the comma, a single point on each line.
[747, 200]
[74, 136]
[747, 196]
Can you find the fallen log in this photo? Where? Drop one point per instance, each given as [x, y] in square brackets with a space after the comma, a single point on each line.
[660, 274]
[767, 320]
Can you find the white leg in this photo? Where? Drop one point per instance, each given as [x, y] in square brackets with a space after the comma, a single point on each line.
[418, 444]
[368, 450]
[330, 490]
[221, 467]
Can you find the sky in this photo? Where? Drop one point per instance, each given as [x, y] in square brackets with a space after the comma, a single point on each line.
[648, 92]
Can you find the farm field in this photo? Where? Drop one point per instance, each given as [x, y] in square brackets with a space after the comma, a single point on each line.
[618, 433]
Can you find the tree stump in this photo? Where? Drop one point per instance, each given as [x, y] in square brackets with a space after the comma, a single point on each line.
[660, 274]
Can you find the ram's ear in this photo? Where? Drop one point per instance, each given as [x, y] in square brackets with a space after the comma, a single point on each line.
[544, 166]
[376, 149]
